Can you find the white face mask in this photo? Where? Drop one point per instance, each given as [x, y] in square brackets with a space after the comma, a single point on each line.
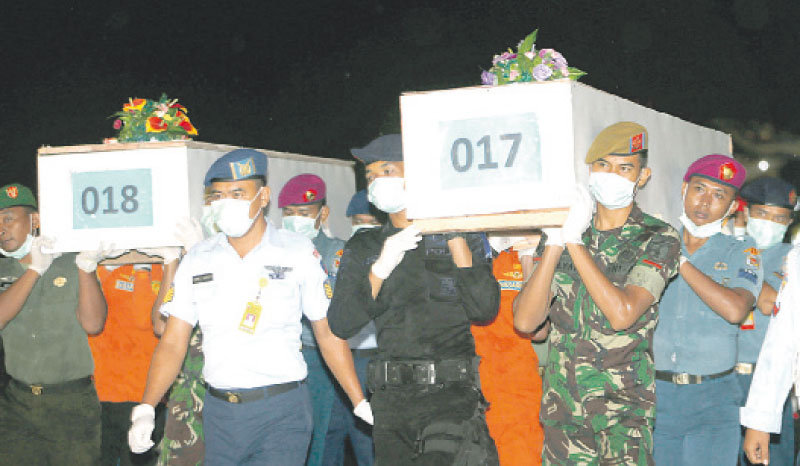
[388, 194]
[23, 250]
[611, 190]
[207, 221]
[766, 232]
[232, 216]
[302, 225]
[702, 231]
[363, 226]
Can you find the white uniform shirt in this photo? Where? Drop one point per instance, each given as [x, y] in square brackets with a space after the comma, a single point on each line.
[777, 364]
[213, 286]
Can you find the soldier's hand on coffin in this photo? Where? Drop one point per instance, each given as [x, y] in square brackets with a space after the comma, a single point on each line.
[168, 253]
[555, 237]
[394, 248]
[87, 260]
[40, 260]
[189, 232]
[579, 217]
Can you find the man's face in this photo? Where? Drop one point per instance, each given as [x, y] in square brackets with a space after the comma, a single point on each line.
[772, 213]
[243, 190]
[626, 166]
[364, 219]
[707, 201]
[382, 169]
[15, 224]
[307, 210]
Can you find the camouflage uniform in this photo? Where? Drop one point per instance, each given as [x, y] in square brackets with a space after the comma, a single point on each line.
[599, 384]
[183, 433]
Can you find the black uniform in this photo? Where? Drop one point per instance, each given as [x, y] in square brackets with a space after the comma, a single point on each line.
[426, 398]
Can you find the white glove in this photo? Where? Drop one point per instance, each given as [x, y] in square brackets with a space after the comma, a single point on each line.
[143, 421]
[555, 237]
[364, 411]
[168, 253]
[579, 217]
[394, 248]
[189, 232]
[40, 260]
[87, 260]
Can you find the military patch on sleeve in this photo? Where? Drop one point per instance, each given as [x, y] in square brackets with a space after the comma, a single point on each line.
[748, 275]
[328, 288]
[653, 264]
[658, 249]
[753, 261]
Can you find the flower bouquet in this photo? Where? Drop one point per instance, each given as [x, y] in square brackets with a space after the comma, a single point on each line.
[153, 120]
[528, 64]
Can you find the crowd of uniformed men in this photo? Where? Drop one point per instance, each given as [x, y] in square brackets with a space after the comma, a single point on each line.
[261, 344]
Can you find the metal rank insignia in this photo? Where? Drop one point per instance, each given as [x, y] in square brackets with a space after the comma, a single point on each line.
[252, 313]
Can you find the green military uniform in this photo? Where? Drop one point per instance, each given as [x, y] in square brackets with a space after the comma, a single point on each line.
[50, 413]
[598, 399]
[183, 441]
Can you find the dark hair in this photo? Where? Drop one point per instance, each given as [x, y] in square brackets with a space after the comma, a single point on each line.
[642, 158]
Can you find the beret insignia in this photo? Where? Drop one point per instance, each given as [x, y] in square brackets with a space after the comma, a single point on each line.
[12, 192]
[310, 195]
[727, 171]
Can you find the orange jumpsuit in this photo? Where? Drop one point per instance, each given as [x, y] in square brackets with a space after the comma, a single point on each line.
[122, 351]
[509, 373]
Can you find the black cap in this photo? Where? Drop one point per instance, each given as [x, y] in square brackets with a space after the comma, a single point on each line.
[770, 190]
[387, 148]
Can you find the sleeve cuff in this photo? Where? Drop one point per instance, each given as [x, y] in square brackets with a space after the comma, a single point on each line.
[760, 420]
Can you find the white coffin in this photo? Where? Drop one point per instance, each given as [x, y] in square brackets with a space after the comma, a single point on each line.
[132, 194]
[473, 155]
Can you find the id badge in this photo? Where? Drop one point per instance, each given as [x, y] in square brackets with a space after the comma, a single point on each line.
[749, 323]
[250, 318]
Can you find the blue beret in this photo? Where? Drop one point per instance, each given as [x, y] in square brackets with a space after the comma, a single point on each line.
[239, 164]
[387, 148]
[358, 205]
[770, 191]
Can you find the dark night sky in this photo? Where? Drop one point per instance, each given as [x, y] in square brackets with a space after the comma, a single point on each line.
[321, 76]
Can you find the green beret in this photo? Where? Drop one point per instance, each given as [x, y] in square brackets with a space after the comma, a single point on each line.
[15, 194]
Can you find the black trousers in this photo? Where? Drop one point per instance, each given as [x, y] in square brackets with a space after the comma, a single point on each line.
[116, 420]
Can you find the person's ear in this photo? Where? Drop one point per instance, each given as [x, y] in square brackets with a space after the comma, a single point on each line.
[324, 211]
[265, 192]
[644, 177]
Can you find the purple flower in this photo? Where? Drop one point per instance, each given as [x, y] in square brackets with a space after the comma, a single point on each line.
[542, 72]
[505, 56]
[560, 62]
[488, 78]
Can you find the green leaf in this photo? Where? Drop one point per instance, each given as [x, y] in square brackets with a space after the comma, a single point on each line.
[527, 44]
[575, 73]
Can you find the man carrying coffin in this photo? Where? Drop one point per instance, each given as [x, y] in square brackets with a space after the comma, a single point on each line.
[423, 291]
[599, 390]
[247, 287]
[50, 413]
[695, 344]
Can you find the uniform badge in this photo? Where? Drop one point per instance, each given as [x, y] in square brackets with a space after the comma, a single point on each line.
[12, 192]
[752, 251]
[155, 286]
[328, 288]
[277, 272]
[202, 278]
[58, 282]
[123, 285]
[727, 171]
[720, 266]
[636, 143]
[516, 275]
[310, 195]
[263, 282]
[242, 169]
[748, 275]
[753, 261]
[252, 313]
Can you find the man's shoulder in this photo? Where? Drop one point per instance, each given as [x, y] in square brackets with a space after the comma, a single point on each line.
[658, 226]
[291, 242]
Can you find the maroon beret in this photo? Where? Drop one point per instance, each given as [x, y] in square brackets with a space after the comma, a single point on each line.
[720, 168]
[302, 189]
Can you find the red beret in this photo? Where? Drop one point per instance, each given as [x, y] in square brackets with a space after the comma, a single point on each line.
[302, 189]
[720, 168]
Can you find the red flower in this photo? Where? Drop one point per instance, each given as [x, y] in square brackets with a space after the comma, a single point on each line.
[155, 125]
[117, 123]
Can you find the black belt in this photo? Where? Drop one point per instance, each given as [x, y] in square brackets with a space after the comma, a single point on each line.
[70, 386]
[682, 378]
[382, 373]
[254, 394]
